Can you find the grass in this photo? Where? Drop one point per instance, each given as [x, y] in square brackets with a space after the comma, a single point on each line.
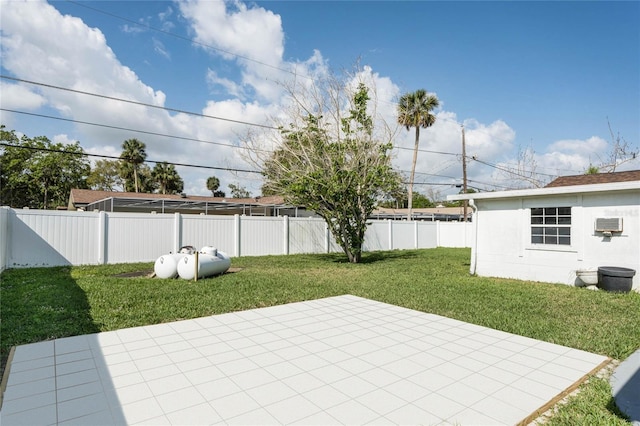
[45, 303]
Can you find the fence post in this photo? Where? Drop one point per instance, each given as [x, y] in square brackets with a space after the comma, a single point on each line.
[327, 238]
[390, 234]
[286, 234]
[102, 238]
[4, 237]
[437, 233]
[177, 232]
[415, 234]
[237, 231]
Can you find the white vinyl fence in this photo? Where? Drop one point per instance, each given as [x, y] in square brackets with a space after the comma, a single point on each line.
[30, 238]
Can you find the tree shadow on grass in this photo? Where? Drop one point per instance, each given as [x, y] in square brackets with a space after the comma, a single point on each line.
[373, 257]
[40, 304]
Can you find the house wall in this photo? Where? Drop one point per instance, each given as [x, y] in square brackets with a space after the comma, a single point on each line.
[31, 238]
[504, 246]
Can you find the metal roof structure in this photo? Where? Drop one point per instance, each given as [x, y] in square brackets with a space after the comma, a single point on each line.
[180, 203]
[112, 204]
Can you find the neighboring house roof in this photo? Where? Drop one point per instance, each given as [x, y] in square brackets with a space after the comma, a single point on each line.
[595, 178]
[607, 186]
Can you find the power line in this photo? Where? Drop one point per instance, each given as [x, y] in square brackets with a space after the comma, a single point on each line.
[190, 40]
[200, 115]
[200, 141]
[35, 148]
[212, 167]
[495, 166]
[51, 86]
[179, 137]
[122, 128]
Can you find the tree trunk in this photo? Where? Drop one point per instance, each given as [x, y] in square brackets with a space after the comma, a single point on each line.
[413, 173]
[135, 177]
[46, 195]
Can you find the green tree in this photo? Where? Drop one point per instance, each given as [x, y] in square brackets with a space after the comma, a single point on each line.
[145, 179]
[421, 201]
[414, 110]
[398, 200]
[105, 176]
[133, 153]
[592, 170]
[14, 174]
[341, 175]
[167, 179]
[37, 173]
[239, 191]
[213, 183]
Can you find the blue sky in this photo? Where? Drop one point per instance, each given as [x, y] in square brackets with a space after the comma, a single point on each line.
[537, 76]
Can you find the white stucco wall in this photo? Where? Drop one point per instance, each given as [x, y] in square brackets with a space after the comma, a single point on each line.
[504, 246]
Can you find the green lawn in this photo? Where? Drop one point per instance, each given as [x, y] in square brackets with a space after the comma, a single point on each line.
[44, 303]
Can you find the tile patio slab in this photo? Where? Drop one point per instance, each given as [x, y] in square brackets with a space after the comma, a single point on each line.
[339, 360]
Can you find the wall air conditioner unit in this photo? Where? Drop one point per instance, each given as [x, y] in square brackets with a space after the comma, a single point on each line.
[609, 224]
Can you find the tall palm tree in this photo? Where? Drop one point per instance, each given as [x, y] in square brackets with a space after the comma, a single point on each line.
[213, 183]
[133, 152]
[167, 178]
[414, 110]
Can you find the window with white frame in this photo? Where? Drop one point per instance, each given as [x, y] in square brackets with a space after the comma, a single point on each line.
[551, 225]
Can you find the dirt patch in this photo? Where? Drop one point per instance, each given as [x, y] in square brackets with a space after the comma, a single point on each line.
[151, 274]
[147, 273]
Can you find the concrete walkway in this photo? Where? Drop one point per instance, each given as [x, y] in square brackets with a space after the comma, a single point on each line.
[340, 360]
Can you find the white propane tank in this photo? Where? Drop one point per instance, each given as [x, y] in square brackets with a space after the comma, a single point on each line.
[210, 250]
[166, 266]
[208, 265]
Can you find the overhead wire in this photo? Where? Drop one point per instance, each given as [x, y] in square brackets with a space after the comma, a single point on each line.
[122, 128]
[495, 166]
[51, 86]
[190, 40]
[222, 144]
[85, 154]
[192, 113]
[162, 108]
[247, 58]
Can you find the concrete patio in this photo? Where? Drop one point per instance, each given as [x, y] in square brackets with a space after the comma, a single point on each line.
[339, 360]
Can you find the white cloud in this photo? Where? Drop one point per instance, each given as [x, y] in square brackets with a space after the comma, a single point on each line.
[164, 19]
[592, 145]
[168, 12]
[79, 57]
[229, 86]
[19, 97]
[132, 29]
[159, 48]
[63, 139]
[488, 140]
[253, 32]
[251, 36]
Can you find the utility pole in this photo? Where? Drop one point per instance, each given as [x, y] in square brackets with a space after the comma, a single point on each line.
[464, 174]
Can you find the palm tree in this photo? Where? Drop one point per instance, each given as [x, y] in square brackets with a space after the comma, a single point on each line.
[133, 152]
[167, 178]
[213, 183]
[414, 110]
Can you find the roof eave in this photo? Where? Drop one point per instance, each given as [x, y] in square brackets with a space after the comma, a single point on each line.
[541, 192]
